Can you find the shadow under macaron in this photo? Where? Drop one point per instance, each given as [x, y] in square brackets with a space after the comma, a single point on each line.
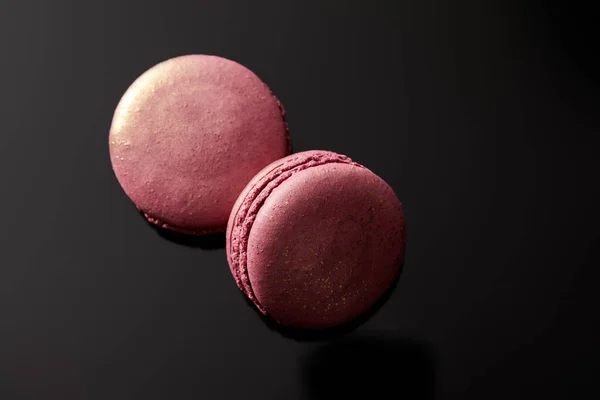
[311, 335]
[211, 241]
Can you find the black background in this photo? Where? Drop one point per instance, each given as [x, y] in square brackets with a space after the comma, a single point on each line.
[480, 114]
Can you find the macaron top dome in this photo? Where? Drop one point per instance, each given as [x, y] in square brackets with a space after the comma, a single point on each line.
[189, 134]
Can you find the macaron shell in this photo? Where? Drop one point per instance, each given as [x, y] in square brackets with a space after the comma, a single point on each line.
[189, 134]
[325, 244]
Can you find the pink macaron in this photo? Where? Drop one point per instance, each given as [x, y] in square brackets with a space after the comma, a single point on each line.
[189, 134]
[315, 239]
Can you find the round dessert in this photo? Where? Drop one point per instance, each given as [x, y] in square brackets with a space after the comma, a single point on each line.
[189, 134]
[315, 239]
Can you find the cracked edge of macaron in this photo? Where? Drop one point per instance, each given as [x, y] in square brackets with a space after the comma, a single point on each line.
[285, 121]
[192, 232]
[253, 201]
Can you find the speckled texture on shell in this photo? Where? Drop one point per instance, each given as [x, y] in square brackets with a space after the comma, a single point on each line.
[315, 239]
[189, 134]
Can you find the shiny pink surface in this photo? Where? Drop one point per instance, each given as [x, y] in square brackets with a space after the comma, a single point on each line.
[189, 134]
[315, 239]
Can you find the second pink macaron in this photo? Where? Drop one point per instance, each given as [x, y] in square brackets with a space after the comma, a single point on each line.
[315, 239]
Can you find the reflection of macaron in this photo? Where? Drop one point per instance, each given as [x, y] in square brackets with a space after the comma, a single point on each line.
[189, 134]
[315, 239]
